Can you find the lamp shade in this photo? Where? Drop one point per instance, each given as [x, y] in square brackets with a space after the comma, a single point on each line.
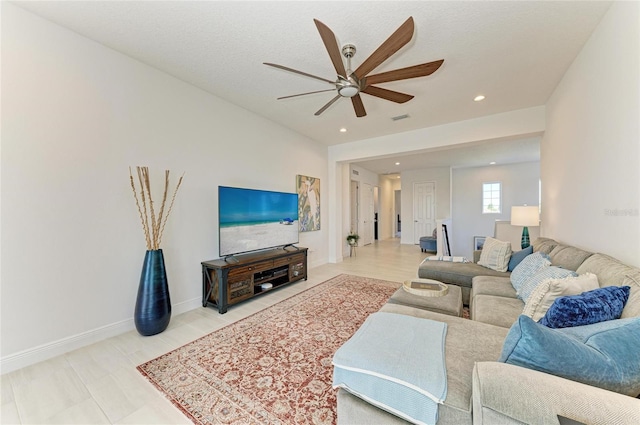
[525, 216]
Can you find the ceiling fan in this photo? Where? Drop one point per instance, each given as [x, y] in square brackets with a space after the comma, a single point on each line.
[351, 83]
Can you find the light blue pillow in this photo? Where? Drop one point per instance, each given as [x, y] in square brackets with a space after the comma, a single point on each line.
[518, 256]
[600, 355]
[550, 272]
[598, 305]
[529, 266]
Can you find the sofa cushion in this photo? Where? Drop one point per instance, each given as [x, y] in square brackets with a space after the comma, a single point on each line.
[568, 257]
[544, 245]
[518, 256]
[612, 272]
[632, 308]
[495, 254]
[492, 285]
[528, 267]
[551, 272]
[549, 290]
[495, 310]
[605, 355]
[590, 307]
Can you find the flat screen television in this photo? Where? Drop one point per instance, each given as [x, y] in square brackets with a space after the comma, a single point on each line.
[251, 220]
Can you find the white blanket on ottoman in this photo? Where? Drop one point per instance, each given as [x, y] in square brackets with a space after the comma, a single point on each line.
[396, 362]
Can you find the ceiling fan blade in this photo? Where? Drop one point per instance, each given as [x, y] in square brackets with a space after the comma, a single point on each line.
[324, 108]
[415, 71]
[391, 95]
[358, 106]
[298, 72]
[330, 42]
[391, 45]
[303, 94]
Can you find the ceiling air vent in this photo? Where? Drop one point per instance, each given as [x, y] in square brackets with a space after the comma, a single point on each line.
[400, 117]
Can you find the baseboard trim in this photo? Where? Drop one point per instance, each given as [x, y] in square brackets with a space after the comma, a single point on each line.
[56, 348]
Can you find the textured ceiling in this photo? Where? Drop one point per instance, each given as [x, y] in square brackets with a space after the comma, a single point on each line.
[514, 53]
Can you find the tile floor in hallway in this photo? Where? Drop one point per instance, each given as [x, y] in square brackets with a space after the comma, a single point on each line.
[99, 384]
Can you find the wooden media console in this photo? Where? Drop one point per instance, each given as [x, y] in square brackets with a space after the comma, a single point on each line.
[225, 283]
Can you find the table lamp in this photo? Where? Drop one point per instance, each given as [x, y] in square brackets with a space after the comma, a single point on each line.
[525, 216]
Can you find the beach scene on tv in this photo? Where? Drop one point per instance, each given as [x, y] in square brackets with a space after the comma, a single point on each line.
[254, 219]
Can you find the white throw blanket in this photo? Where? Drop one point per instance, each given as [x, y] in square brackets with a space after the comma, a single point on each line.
[447, 258]
[396, 362]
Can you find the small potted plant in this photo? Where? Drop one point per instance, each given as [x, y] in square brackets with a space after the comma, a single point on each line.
[352, 239]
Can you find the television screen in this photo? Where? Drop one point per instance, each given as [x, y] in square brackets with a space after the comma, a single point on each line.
[251, 220]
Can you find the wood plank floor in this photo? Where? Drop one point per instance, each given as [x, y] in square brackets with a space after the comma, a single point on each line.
[99, 384]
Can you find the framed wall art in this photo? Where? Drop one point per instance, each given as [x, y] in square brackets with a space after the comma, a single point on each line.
[308, 203]
[478, 242]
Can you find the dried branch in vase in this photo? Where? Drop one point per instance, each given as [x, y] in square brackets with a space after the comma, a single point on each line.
[152, 225]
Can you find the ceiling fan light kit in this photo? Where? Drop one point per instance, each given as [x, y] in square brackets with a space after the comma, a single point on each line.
[350, 84]
[349, 91]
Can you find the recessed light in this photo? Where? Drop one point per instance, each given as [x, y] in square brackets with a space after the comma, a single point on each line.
[478, 98]
[343, 130]
[492, 163]
[397, 163]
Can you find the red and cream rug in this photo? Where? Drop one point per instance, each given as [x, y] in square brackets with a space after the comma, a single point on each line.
[273, 367]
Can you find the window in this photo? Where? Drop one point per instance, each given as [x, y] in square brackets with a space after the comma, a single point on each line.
[491, 196]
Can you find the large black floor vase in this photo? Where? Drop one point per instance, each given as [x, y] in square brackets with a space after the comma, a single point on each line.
[153, 305]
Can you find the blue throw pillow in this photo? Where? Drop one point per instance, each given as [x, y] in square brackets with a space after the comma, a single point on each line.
[605, 357]
[529, 266]
[518, 256]
[551, 272]
[595, 306]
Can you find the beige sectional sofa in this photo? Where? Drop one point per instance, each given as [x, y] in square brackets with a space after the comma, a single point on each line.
[481, 390]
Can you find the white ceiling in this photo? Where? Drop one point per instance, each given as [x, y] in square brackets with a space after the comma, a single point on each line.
[514, 53]
[500, 152]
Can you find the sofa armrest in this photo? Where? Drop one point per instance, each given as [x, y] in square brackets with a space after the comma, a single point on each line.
[508, 394]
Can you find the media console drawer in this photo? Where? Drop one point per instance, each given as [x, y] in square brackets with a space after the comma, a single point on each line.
[225, 284]
[289, 259]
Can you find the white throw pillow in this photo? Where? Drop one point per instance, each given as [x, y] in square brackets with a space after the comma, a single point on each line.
[548, 290]
[495, 254]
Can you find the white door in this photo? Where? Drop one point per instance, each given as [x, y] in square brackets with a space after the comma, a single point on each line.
[367, 214]
[424, 210]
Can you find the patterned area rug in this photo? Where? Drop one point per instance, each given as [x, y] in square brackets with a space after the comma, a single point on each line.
[273, 367]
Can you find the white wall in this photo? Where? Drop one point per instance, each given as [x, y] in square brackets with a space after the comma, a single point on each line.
[519, 187]
[76, 115]
[441, 176]
[590, 153]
